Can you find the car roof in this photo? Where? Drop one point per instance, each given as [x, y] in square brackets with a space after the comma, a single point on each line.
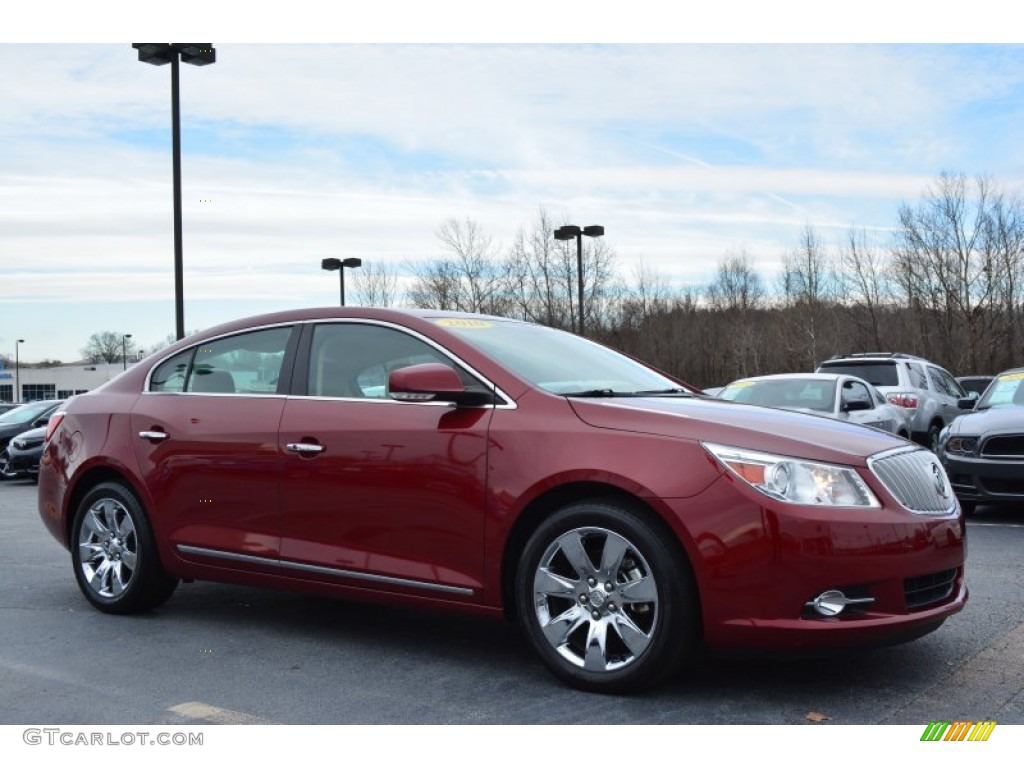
[813, 376]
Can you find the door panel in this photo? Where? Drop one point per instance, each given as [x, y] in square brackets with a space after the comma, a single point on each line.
[396, 492]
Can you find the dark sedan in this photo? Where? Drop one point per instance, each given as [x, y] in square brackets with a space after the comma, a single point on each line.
[983, 451]
[23, 454]
[24, 417]
[501, 468]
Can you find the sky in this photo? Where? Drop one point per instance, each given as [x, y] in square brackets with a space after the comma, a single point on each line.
[689, 139]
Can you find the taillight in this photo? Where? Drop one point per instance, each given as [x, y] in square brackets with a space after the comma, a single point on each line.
[52, 424]
[902, 399]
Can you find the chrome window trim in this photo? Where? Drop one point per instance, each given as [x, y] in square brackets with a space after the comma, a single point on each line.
[168, 356]
[308, 568]
[508, 403]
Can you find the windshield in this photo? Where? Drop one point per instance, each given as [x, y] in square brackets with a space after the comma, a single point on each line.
[559, 362]
[882, 374]
[25, 413]
[1006, 390]
[813, 394]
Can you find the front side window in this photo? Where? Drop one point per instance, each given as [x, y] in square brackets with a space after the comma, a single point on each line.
[354, 360]
[854, 391]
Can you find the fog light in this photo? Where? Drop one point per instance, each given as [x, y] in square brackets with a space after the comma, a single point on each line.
[832, 602]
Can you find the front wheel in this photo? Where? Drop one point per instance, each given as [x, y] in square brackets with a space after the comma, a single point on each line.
[605, 600]
[114, 554]
[5, 463]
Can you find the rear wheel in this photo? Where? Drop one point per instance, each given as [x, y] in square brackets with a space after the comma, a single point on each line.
[114, 554]
[932, 440]
[607, 603]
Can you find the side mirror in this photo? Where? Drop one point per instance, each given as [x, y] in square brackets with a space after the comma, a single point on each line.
[42, 421]
[433, 382]
[967, 403]
[856, 405]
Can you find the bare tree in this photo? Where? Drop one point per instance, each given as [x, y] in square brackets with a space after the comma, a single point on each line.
[468, 278]
[808, 285]
[106, 347]
[864, 283]
[952, 257]
[376, 285]
[542, 278]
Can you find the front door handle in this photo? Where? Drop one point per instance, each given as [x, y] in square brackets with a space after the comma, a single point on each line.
[154, 435]
[304, 448]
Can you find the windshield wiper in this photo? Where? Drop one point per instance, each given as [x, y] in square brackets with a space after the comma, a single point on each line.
[674, 391]
[593, 393]
[670, 391]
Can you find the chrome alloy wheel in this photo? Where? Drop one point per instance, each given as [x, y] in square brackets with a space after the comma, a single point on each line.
[595, 599]
[108, 548]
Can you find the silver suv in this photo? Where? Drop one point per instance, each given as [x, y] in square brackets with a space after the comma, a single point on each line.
[926, 391]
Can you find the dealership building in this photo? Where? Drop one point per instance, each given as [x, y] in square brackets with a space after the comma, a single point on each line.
[55, 381]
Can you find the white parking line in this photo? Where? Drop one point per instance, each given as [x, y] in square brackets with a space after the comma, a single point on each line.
[196, 710]
[995, 525]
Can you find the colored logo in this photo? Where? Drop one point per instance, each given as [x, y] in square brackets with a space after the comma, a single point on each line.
[960, 730]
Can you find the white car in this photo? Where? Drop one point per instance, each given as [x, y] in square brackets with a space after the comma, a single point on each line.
[837, 396]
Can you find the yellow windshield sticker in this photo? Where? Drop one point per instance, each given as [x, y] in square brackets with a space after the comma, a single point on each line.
[739, 384]
[461, 322]
[1012, 377]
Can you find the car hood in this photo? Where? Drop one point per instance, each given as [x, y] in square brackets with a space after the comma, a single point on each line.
[772, 430]
[1010, 419]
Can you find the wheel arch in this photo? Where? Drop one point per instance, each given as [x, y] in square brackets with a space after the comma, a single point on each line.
[86, 482]
[554, 499]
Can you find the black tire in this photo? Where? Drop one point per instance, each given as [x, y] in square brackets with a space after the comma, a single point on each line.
[968, 507]
[114, 554]
[639, 599]
[4, 464]
[932, 440]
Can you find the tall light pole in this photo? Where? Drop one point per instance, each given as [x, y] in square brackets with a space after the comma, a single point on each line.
[568, 232]
[199, 54]
[17, 370]
[124, 351]
[339, 264]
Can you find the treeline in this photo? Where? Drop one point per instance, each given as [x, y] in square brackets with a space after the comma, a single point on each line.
[948, 285]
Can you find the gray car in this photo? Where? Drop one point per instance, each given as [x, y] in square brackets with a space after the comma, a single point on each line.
[845, 398]
[926, 392]
[983, 451]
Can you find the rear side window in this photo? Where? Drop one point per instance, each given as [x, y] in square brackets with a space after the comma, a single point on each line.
[170, 375]
[918, 379]
[881, 374]
[248, 364]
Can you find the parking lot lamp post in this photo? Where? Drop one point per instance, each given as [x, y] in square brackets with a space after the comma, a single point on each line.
[340, 264]
[17, 371]
[158, 54]
[124, 351]
[568, 232]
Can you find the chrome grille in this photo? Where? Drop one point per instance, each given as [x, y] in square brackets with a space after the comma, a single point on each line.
[1008, 446]
[916, 478]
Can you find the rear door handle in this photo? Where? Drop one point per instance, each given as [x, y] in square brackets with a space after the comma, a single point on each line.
[154, 435]
[304, 448]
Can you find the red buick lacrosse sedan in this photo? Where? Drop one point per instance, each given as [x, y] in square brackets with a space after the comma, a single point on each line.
[503, 468]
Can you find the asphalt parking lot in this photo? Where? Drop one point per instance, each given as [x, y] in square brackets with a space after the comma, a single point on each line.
[227, 654]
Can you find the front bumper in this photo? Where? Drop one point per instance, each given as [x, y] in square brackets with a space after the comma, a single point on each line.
[760, 563]
[985, 480]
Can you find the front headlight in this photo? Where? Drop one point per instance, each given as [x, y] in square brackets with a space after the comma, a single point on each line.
[796, 481]
[962, 445]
